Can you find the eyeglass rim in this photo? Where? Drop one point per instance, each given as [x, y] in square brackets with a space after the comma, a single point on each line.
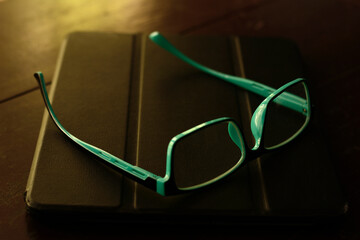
[259, 115]
[169, 178]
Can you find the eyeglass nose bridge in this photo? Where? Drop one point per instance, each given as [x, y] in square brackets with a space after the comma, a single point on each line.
[235, 135]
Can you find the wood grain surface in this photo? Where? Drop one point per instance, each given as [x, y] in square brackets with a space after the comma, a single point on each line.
[31, 31]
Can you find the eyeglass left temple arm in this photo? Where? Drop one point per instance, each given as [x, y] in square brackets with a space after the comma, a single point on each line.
[137, 173]
[287, 99]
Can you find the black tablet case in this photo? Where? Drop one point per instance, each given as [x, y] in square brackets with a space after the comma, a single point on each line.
[128, 96]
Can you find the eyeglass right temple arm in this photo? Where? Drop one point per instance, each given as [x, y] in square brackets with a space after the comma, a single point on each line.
[136, 173]
[287, 99]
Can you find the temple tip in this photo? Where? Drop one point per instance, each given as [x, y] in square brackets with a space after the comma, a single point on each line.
[38, 76]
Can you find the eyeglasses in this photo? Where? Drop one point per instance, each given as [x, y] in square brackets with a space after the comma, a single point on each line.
[213, 150]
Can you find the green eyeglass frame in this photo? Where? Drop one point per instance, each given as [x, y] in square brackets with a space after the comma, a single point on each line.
[166, 185]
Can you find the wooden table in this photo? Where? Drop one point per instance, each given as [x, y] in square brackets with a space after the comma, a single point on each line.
[326, 31]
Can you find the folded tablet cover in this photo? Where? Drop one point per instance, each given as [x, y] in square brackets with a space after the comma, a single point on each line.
[128, 96]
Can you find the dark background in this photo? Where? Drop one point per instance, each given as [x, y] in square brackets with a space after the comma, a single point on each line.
[326, 31]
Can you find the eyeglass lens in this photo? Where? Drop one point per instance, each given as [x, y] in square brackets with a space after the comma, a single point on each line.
[206, 154]
[283, 123]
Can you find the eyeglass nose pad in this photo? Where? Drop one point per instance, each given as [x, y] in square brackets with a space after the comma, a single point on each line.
[234, 134]
[257, 123]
